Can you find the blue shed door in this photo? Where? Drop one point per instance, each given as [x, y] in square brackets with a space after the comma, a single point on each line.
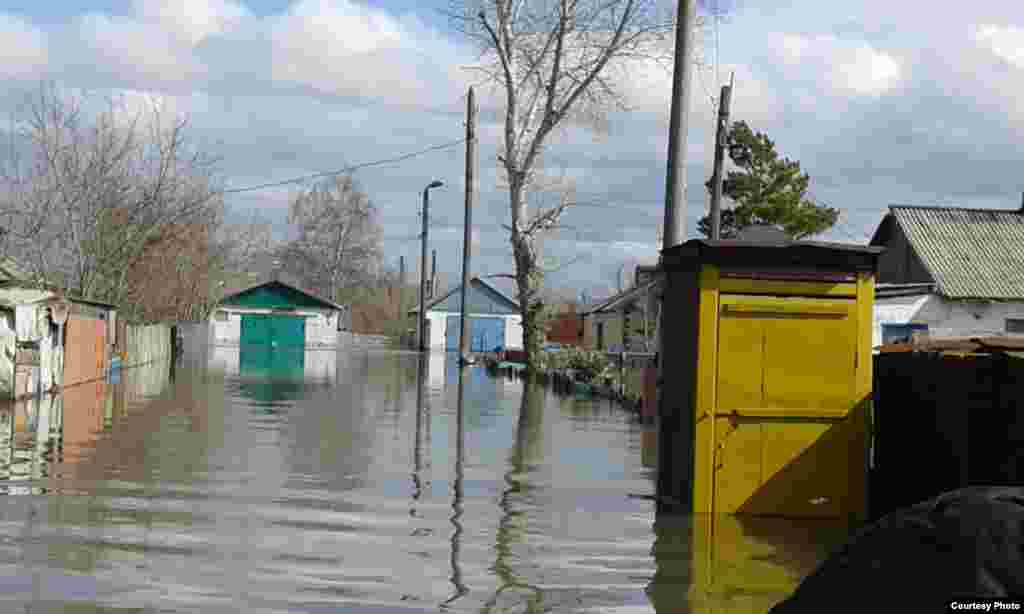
[485, 334]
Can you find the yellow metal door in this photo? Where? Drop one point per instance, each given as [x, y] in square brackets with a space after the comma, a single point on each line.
[785, 438]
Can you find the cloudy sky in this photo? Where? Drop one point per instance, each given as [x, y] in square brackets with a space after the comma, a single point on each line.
[882, 102]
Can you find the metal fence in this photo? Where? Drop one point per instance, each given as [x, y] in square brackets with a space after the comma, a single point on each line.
[944, 421]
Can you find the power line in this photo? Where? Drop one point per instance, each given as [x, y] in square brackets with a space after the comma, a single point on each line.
[347, 169]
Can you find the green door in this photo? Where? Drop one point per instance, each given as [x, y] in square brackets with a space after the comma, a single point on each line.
[273, 330]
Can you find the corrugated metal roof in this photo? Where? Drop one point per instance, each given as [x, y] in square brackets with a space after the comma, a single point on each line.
[12, 296]
[284, 280]
[970, 253]
[623, 297]
[475, 282]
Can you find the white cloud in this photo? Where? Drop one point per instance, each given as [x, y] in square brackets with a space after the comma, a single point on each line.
[337, 47]
[1006, 42]
[22, 48]
[191, 21]
[848, 69]
[128, 51]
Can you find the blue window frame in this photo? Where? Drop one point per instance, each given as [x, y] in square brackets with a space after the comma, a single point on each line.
[899, 333]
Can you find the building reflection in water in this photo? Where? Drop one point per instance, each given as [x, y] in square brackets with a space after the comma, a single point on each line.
[731, 563]
[44, 438]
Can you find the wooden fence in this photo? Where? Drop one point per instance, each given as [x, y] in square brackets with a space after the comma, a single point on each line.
[943, 421]
[146, 344]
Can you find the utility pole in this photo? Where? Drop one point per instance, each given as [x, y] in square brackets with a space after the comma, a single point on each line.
[401, 285]
[716, 178]
[467, 229]
[422, 325]
[675, 187]
[433, 273]
[669, 418]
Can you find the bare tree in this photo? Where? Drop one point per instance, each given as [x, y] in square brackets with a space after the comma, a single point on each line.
[553, 61]
[89, 189]
[339, 237]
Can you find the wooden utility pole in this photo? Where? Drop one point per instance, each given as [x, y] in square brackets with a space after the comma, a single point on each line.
[467, 230]
[716, 178]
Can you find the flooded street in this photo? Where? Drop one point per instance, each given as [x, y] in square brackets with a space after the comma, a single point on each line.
[323, 482]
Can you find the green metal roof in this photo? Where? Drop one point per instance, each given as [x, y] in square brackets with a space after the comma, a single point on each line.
[970, 253]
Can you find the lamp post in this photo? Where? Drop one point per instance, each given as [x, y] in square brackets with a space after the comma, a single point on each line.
[421, 327]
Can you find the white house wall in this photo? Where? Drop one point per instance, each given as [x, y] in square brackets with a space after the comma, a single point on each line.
[224, 358]
[514, 331]
[946, 318]
[439, 328]
[895, 310]
[7, 338]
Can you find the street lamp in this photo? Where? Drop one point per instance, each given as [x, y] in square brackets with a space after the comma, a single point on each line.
[421, 328]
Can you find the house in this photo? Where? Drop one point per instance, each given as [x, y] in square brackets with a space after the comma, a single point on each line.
[494, 319]
[626, 321]
[47, 340]
[949, 272]
[566, 326]
[275, 313]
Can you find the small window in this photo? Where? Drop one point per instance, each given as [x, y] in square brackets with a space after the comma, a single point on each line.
[1015, 326]
[901, 333]
[221, 315]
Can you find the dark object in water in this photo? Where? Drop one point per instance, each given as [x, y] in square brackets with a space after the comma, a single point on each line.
[964, 543]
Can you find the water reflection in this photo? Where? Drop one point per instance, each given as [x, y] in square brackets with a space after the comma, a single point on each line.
[512, 528]
[391, 489]
[457, 508]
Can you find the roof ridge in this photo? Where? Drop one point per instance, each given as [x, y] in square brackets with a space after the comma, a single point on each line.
[1016, 211]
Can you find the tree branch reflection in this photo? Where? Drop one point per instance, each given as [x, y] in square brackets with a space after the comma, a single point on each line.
[526, 453]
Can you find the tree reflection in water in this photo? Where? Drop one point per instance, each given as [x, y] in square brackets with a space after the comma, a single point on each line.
[526, 454]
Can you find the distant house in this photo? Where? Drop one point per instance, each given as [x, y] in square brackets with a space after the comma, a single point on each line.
[494, 319]
[619, 323]
[566, 326]
[949, 272]
[274, 313]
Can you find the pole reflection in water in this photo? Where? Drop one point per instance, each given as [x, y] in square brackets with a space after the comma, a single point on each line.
[422, 416]
[525, 454]
[460, 458]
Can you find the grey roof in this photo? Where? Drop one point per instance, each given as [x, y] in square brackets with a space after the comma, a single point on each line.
[969, 253]
[623, 297]
[894, 290]
[501, 296]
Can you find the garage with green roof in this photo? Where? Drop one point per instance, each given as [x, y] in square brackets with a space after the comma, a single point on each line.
[275, 314]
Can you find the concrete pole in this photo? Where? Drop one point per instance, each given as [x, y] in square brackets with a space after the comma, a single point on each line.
[421, 342]
[675, 186]
[467, 230]
[716, 178]
[433, 273]
[673, 232]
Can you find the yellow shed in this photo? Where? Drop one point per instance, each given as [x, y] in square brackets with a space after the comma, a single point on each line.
[766, 396]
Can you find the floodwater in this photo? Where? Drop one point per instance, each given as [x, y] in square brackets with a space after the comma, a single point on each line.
[332, 482]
